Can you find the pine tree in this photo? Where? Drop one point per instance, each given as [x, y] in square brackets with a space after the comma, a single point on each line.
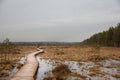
[110, 37]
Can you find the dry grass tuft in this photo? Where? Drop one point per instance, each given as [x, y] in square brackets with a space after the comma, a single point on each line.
[95, 71]
[97, 58]
[78, 75]
[49, 78]
[61, 71]
[116, 75]
[4, 74]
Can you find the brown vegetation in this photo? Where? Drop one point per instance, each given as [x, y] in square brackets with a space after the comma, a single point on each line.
[116, 75]
[74, 53]
[95, 71]
[81, 53]
[61, 72]
[4, 74]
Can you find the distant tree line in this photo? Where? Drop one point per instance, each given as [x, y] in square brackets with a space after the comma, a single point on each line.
[110, 37]
[46, 43]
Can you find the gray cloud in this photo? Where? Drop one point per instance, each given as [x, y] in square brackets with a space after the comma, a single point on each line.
[56, 20]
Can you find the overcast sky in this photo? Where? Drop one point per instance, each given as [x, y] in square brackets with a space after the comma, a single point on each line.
[56, 20]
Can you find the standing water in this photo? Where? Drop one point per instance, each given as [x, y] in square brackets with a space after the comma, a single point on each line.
[104, 70]
[80, 70]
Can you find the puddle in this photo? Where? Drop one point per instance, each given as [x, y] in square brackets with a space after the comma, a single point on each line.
[22, 61]
[15, 69]
[83, 68]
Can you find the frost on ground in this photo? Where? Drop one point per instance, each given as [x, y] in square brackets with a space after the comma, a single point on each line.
[104, 70]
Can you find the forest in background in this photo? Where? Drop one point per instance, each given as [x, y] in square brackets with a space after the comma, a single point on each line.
[109, 37]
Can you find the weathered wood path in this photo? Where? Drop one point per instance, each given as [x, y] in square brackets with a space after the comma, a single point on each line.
[27, 72]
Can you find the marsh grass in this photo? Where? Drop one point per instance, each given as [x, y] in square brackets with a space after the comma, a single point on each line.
[95, 71]
[116, 75]
[78, 53]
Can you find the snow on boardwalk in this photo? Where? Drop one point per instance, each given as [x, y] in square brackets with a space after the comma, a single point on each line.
[28, 71]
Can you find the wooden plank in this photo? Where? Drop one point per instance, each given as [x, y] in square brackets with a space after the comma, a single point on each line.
[28, 71]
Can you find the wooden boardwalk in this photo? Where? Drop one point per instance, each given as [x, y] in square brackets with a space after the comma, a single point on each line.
[27, 72]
